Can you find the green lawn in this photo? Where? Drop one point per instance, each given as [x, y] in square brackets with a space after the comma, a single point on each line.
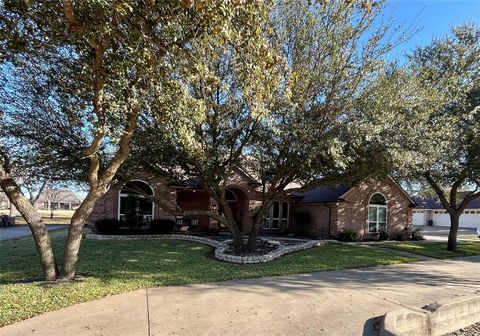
[436, 249]
[59, 216]
[472, 236]
[114, 267]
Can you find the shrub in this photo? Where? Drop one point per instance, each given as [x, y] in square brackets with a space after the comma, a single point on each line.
[162, 226]
[417, 235]
[107, 225]
[348, 235]
[383, 235]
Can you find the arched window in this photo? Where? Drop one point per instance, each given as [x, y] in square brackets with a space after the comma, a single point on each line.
[230, 196]
[134, 209]
[277, 216]
[377, 213]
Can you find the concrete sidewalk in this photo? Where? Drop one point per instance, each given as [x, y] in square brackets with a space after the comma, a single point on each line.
[328, 303]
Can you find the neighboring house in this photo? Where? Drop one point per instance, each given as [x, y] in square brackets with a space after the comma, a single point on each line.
[58, 199]
[367, 209]
[4, 202]
[431, 211]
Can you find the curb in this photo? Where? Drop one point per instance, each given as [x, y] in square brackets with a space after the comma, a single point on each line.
[449, 315]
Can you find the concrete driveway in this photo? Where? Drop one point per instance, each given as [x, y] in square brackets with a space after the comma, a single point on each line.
[439, 233]
[22, 231]
[329, 303]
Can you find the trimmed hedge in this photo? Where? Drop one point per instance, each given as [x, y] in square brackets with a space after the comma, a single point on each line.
[107, 225]
[162, 226]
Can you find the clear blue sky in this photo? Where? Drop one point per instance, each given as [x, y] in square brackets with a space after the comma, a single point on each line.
[435, 17]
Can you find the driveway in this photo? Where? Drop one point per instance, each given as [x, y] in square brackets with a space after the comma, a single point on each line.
[22, 231]
[439, 233]
[329, 303]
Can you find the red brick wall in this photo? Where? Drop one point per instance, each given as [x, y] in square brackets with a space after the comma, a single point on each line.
[353, 213]
[350, 213]
[319, 219]
[195, 200]
[107, 205]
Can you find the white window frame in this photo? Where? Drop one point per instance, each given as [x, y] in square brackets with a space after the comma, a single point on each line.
[269, 219]
[377, 207]
[120, 195]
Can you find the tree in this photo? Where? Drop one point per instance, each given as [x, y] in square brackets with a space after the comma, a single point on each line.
[31, 216]
[293, 131]
[451, 65]
[423, 120]
[76, 78]
[204, 126]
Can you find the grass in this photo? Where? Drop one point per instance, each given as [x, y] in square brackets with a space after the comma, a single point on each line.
[59, 216]
[120, 266]
[437, 249]
[469, 236]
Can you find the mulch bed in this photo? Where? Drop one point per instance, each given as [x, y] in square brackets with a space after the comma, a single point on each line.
[262, 248]
[473, 330]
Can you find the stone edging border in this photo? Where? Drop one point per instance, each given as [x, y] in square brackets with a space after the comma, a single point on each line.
[277, 253]
[220, 247]
[196, 239]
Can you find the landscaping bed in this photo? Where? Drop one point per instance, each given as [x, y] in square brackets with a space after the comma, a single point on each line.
[261, 248]
[473, 330]
[436, 249]
[113, 267]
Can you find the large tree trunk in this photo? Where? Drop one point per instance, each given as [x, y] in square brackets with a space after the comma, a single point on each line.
[452, 236]
[237, 239]
[257, 226]
[233, 228]
[35, 222]
[75, 231]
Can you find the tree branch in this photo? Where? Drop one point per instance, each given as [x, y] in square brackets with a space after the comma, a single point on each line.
[439, 192]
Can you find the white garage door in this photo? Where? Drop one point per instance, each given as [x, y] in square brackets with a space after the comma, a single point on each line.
[418, 218]
[470, 219]
[441, 219]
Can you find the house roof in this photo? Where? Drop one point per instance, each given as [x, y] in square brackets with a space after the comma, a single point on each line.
[434, 203]
[323, 194]
[61, 196]
[335, 193]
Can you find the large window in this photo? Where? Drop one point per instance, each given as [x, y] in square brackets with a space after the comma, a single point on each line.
[277, 216]
[377, 214]
[134, 208]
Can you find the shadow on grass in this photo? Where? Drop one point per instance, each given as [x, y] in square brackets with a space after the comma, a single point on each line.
[164, 263]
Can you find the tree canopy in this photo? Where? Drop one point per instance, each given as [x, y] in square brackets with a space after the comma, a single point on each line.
[77, 75]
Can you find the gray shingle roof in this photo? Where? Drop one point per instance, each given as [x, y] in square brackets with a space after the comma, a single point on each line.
[434, 203]
[323, 194]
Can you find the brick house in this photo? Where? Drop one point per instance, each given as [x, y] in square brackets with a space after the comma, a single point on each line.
[368, 208]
